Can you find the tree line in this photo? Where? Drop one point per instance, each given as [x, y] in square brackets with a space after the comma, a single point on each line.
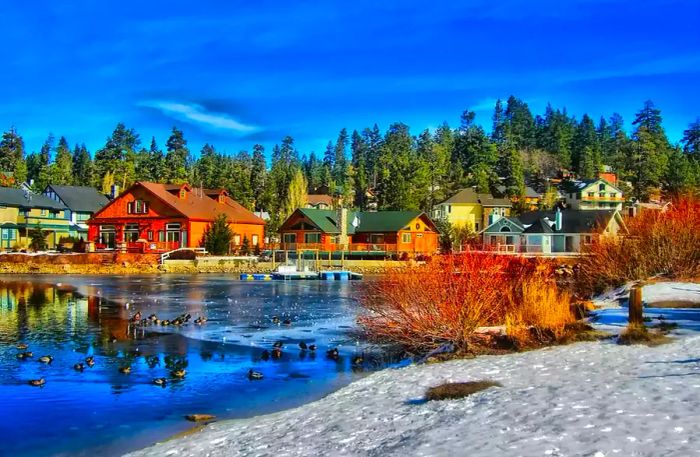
[393, 169]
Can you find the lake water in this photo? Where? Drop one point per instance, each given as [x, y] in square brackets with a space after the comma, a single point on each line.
[101, 411]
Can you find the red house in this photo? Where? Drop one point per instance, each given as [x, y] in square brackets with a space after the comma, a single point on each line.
[151, 217]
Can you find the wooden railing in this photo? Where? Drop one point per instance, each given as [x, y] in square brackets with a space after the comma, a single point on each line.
[334, 247]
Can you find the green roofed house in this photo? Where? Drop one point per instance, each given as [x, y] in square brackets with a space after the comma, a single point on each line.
[359, 233]
[552, 232]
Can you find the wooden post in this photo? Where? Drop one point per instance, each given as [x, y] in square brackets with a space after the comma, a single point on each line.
[636, 313]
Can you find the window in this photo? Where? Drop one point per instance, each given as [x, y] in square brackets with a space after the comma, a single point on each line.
[82, 216]
[183, 193]
[602, 195]
[376, 238]
[131, 233]
[150, 235]
[613, 195]
[601, 187]
[587, 239]
[405, 237]
[236, 240]
[505, 228]
[54, 214]
[43, 212]
[255, 240]
[449, 209]
[161, 236]
[129, 207]
[289, 237]
[137, 207]
[311, 238]
[591, 194]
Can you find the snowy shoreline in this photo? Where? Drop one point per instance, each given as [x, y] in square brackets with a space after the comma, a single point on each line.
[596, 399]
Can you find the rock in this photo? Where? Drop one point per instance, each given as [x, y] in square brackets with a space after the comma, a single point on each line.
[200, 417]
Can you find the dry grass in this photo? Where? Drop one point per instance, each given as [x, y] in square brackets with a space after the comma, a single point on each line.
[581, 331]
[639, 334]
[660, 244]
[447, 299]
[454, 390]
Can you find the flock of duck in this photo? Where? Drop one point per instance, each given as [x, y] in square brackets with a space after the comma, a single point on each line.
[178, 372]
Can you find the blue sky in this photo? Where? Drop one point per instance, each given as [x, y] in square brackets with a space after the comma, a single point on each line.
[236, 73]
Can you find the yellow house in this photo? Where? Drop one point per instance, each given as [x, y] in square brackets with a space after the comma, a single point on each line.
[467, 208]
[21, 212]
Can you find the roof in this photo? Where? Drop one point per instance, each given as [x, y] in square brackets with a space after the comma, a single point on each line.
[80, 198]
[10, 196]
[539, 226]
[529, 191]
[377, 221]
[317, 199]
[573, 221]
[198, 205]
[579, 185]
[469, 195]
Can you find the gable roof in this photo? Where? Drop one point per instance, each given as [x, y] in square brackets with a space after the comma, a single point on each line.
[509, 221]
[18, 198]
[573, 221]
[469, 195]
[79, 198]
[317, 199]
[197, 205]
[580, 185]
[539, 226]
[377, 221]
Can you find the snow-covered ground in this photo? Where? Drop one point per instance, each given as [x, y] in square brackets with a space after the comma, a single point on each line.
[587, 399]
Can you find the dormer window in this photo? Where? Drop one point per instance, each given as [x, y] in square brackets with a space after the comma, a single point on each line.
[183, 193]
[601, 187]
[222, 198]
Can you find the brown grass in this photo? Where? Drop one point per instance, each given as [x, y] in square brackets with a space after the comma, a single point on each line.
[447, 299]
[639, 334]
[659, 244]
[454, 390]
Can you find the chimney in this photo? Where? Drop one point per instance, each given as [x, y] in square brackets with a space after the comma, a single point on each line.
[557, 220]
[342, 220]
[114, 191]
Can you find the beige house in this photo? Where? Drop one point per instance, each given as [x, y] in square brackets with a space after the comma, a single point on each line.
[592, 194]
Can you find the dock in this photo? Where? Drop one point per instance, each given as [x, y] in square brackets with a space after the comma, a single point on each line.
[291, 274]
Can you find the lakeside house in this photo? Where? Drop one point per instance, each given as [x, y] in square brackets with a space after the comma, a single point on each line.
[592, 194]
[548, 232]
[359, 233]
[467, 208]
[81, 203]
[152, 217]
[21, 212]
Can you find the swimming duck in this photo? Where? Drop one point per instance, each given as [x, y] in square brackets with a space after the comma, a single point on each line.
[265, 355]
[165, 322]
[78, 367]
[152, 317]
[200, 320]
[312, 347]
[276, 353]
[275, 320]
[333, 354]
[178, 373]
[90, 361]
[37, 382]
[277, 344]
[22, 346]
[254, 375]
[177, 321]
[46, 359]
[358, 360]
[25, 355]
[303, 346]
[156, 322]
[160, 382]
[125, 370]
[287, 322]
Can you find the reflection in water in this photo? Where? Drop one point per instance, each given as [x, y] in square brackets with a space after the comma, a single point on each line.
[107, 409]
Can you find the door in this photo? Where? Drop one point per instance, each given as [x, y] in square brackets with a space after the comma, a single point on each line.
[569, 244]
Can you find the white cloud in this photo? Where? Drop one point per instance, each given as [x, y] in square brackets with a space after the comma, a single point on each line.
[197, 114]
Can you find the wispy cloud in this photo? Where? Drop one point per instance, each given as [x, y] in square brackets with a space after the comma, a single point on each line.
[199, 115]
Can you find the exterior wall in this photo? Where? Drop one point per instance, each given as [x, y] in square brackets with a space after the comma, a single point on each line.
[423, 238]
[497, 210]
[461, 214]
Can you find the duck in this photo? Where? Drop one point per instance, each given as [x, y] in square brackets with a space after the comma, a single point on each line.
[46, 359]
[90, 361]
[200, 320]
[160, 382]
[275, 320]
[312, 347]
[22, 346]
[25, 355]
[254, 375]
[358, 360]
[287, 322]
[152, 317]
[276, 353]
[37, 382]
[265, 355]
[303, 346]
[333, 354]
[125, 370]
[165, 322]
[178, 373]
[156, 322]
[277, 344]
[78, 367]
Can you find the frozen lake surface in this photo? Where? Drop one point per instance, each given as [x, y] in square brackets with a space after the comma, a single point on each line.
[101, 411]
